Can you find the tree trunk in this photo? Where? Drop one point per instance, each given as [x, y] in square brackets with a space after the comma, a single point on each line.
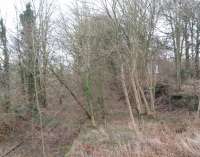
[127, 98]
[178, 57]
[187, 47]
[136, 95]
[6, 77]
[43, 95]
[192, 37]
[197, 53]
[79, 103]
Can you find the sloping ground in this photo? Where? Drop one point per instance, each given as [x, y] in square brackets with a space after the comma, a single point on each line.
[61, 124]
[174, 134]
[59, 131]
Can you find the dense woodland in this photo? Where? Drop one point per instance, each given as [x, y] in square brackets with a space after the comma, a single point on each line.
[106, 78]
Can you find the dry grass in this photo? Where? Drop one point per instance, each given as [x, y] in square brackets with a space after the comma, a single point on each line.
[171, 136]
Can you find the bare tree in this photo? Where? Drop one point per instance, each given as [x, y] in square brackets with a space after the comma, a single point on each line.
[6, 73]
[172, 13]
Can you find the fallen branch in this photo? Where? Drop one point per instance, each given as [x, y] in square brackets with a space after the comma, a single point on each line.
[70, 91]
[13, 149]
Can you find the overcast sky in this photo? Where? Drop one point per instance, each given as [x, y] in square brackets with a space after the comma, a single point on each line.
[8, 11]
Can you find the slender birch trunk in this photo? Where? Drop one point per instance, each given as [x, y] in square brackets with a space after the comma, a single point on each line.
[127, 98]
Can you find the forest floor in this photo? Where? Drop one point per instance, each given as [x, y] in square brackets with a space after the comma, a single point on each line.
[173, 134]
[66, 134]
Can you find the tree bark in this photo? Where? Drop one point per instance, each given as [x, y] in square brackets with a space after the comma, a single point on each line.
[197, 52]
[187, 48]
[178, 57]
[127, 98]
[6, 77]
